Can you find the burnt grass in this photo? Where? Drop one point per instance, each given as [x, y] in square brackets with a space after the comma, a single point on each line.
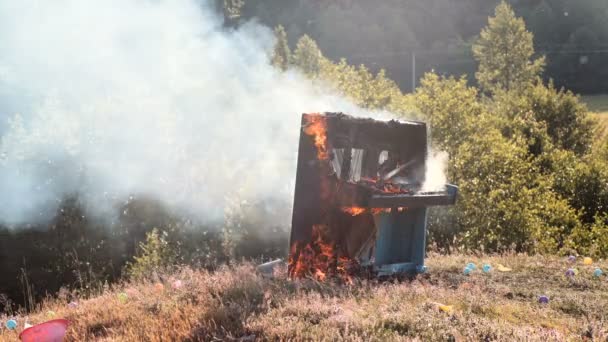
[235, 303]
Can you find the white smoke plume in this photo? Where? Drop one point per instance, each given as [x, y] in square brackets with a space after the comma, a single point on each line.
[110, 98]
[435, 177]
[121, 97]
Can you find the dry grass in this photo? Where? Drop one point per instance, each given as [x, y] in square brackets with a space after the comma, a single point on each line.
[602, 131]
[598, 106]
[596, 103]
[236, 304]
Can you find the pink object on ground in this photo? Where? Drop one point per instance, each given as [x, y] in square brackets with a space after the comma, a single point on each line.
[51, 331]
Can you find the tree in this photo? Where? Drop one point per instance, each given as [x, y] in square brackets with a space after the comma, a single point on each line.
[154, 255]
[566, 122]
[232, 8]
[307, 56]
[281, 53]
[451, 107]
[504, 51]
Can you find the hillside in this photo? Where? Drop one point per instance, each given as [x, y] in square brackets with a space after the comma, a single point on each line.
[236, 304]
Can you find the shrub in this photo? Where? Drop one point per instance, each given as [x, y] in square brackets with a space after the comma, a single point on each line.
[451, 108]
[591, 239]
[154, 256]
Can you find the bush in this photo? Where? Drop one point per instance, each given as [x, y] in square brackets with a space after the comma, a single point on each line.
[451, 108]
[497, 186]
[583, 182]
[154, 256]
[592, 239]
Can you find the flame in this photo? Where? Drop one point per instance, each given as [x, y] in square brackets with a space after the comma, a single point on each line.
[377, 211]
[319, 259]
[317, 127]
[354, 211]
[383, 187]
[392, 188]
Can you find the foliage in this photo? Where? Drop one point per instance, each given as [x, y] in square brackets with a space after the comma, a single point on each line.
[504, 50]
[154, 256]
[359, 84]
[376, 92]
[451, 108]
[528, 178]
[232, 8]
[496, 183]
[592, 239]
[583, 182]
[567, 120]
[255, 230]
[572, 34]
[307, 56]
[281, 55]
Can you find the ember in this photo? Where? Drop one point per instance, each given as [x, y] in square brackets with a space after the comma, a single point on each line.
[358, 205]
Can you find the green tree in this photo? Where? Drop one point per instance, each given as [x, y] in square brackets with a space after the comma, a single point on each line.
[505, 202]
[549, 117]
[567, 120]
[504, 51]
[451, 107]
[308, 57]
[155, 254]
[281, 53]
[581, 181]
[232, 8]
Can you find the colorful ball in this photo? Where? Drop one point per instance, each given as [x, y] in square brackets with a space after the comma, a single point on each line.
[598, 272]
[123, 297]
[587, 261]
[570, 272]
[543, 300]
[471, 266]
[466, 271]
[572, 258]
[486, 268]
[11, 324]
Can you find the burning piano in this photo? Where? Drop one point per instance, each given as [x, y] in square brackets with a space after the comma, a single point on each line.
[358, 202]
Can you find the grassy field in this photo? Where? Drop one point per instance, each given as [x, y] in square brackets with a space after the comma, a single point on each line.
[236, 304]
[598, 105]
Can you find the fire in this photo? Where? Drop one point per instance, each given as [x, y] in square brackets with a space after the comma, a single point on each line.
[382, 187]
[319, 259]
[320, 256]
[354, 211]
[317, 127]
[377, 211]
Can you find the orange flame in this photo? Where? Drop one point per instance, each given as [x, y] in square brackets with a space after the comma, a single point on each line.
[319, 258]
[317, 127]
[354, 211]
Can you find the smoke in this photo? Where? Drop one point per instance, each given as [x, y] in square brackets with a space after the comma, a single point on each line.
[153, 98]
[105, 99]
[435, 178]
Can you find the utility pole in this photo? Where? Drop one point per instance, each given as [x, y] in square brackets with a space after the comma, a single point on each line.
[413, 71]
